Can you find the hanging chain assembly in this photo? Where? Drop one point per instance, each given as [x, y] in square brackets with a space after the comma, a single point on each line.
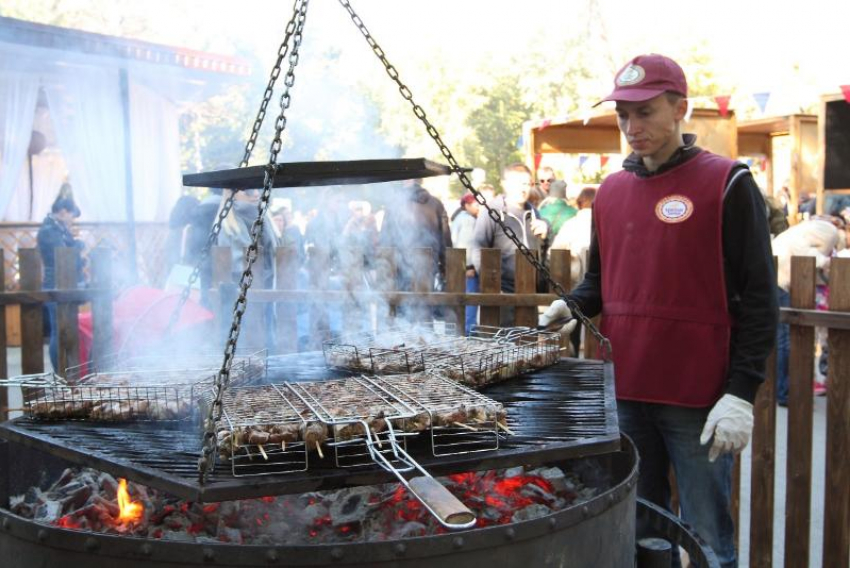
[604, 344]
[222, 379]
[227, 205]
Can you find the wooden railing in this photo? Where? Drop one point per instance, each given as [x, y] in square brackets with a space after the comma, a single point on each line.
[356, 294]
[798, 493]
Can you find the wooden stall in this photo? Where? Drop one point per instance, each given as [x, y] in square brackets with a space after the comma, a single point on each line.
[601, 135]
[834, 143]
[756, 138]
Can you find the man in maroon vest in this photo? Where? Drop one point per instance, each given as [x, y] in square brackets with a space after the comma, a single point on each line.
[681, 269]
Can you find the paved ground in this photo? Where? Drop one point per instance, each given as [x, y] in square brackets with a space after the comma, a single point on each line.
[818, 457]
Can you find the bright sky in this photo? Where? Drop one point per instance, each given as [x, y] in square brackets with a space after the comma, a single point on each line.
[790, 48]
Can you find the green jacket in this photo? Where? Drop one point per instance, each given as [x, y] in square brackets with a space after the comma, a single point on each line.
[556, 211]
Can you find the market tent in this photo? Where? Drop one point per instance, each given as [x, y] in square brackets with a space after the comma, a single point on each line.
[107, 109]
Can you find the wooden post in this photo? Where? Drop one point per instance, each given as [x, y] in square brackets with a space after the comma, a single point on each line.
[102, 305]
[286, 278]
[4, 370]
[354, 313]
[253, 334]
[491, 282]
[32, 324]
[67, 275]
[800, 408]
[422, 282]
[456, 282]
[836, 521]
[220, 274]
[319, 269]
[385, 281]
[560, 270]
[525, 283]
[762, 470]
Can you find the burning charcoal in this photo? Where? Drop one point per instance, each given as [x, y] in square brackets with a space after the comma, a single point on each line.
[178, 536]
[77, 498]
[514, 472]
[351, 505]
[534, 491]
[48, 511]
[315, 511]
[227, 534]
[555, 476]
[67, 477]
[108, 484]
[410, 529]
[534, 511]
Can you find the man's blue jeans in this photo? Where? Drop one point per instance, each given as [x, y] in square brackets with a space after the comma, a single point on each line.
[472, 285]
[783, 350]
[667, 435]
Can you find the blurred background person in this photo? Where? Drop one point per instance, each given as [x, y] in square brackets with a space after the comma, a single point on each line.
[55, 232]
[555, 208]
[463, 234]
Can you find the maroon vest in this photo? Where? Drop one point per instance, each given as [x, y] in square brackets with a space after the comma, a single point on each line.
[663, 289]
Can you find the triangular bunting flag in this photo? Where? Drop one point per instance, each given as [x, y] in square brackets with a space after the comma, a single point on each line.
[602, 161]
[537, 158]
[519, 142]
[846, 90]
[763, 165]
[581, 160]
[544, 123]
[761, 100]
[723, 104]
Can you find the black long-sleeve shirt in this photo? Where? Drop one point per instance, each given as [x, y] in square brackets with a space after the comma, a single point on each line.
[748, 269]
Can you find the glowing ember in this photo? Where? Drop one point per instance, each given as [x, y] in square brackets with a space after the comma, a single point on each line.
[129, 511]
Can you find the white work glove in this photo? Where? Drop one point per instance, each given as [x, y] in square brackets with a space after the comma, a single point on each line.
[731, 424]
[558, 311]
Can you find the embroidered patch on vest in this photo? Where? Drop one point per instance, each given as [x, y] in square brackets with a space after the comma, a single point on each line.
[674, 209]
[631, 75]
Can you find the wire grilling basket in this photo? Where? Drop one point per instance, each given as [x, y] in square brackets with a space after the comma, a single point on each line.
[488, 355]
[114, 397]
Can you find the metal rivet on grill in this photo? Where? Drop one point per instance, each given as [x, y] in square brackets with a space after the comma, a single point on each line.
[510, 534]
[400, 549]
[336, 553]
[553, 522]
[91, 544]
[208, 554]
[585, 511]
[272, 555]
[610, 497]
[458, 542]
[147, 549]
[6, 523]
[42, 535]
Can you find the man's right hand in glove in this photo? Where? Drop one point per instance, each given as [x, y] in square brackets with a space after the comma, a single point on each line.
[558, 317]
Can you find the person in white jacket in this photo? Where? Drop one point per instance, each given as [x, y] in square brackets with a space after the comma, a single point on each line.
[574, 235]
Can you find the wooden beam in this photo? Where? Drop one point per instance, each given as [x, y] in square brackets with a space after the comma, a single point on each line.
[67, 278]
[286, 278]
[762, 470]
[526, 283]
[815, 318]
[491, 283]
[456, 283]
[800, 417]
[102, 332]
[32, 323]
[836, 523]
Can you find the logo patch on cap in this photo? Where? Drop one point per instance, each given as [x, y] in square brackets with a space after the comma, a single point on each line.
[631, 75]
[674, 209]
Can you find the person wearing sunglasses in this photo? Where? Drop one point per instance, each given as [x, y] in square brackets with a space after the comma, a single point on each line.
[545, 178]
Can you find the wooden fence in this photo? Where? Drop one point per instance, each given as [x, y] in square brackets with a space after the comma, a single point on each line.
[357, 292]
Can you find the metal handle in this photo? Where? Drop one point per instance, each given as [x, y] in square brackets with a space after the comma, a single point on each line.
[439, 501]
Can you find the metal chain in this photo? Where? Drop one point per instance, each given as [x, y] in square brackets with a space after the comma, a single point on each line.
[605, 345]
[222, 379]
[224, 211]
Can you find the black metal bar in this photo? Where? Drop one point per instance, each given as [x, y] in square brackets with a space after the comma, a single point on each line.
[306, 174]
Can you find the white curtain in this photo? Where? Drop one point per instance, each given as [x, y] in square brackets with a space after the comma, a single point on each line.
[18, 97]
[155, 143]
[85, 105]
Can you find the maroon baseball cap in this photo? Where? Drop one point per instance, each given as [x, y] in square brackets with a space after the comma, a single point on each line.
[466, 199]
[646, 77]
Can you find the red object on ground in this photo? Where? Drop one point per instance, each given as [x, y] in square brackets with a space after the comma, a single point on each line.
[140, 316]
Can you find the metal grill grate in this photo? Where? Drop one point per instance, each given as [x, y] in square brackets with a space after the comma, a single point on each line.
[556, 413]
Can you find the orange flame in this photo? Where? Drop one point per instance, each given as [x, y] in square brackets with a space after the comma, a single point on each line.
[129, 511]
